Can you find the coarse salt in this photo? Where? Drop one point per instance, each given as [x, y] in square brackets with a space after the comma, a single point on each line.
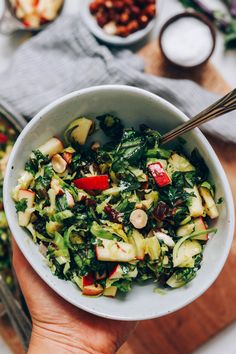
[187, 42]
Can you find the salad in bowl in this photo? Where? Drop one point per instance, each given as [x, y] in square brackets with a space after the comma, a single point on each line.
[96, 203]
[108, 215]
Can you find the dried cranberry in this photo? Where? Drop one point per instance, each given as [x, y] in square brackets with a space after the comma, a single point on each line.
[90, 203]
[112, 213]
[162, 211]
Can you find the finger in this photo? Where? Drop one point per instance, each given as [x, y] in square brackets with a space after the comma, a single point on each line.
[20, 263]
[30, 282]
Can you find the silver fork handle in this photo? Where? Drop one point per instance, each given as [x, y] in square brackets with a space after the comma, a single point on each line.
[224, 105]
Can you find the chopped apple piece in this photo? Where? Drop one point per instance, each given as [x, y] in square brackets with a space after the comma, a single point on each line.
[24, 216]
[80, 129]
[185, 230]
[92, 290]
[25, 180]
[153, 248]
[55, 185]
[31, 20]
[51, 147]
[111, 291]
[114, 251]
[69, 199]
[200, 226]
[195, 207]
[209, 203]
[116, 273]
[88, 280]
[138, 241]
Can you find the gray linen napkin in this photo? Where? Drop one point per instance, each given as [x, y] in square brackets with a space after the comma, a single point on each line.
[66, 57]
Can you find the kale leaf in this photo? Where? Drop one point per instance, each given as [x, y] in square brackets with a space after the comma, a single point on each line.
[198, 162]
[152, 137]
[123, 285]
[131, 147]
[111, 126]
[36, 161]
[21, 205]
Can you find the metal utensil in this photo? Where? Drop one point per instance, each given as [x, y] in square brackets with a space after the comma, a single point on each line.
[224, 105]
[18, 318]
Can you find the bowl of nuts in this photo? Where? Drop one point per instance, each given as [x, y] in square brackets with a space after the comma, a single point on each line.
[120, 22]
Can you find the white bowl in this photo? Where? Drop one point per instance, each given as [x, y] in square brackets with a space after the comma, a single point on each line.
[98, 32]
[134, 106]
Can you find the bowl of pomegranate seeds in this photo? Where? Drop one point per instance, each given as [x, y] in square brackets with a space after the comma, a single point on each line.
[120, 22]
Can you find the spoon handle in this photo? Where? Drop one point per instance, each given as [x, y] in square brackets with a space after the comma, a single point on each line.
[224, 105]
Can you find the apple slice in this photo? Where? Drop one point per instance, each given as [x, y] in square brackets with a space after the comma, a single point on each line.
[209, 203]
[185, 230]
[116, 273]
[24, 216]
[195, 206]
[113, 251]
[138, 241]
[153, 248]
[69, 199]
[200, 226]
[110, 292]
[80, 130]
[51, 147]
[55, 185]
[88, 280]
[92, 290]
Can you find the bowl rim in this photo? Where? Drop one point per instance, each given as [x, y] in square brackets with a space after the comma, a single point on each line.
[33, 261]
[114, 40]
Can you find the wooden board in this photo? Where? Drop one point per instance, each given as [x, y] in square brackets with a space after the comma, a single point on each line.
[196, 323]
[187, 329]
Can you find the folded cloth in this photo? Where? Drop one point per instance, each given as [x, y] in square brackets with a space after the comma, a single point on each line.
[66, 57]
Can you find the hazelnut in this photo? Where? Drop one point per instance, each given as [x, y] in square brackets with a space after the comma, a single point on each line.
[138, 218]
[58, 163]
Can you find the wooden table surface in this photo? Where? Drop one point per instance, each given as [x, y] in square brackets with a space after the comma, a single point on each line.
[186, 329]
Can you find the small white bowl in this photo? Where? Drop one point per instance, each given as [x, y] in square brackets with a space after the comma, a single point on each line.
[133, 106]
[98, 32]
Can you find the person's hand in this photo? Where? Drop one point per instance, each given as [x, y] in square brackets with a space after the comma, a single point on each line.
[59, 327]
